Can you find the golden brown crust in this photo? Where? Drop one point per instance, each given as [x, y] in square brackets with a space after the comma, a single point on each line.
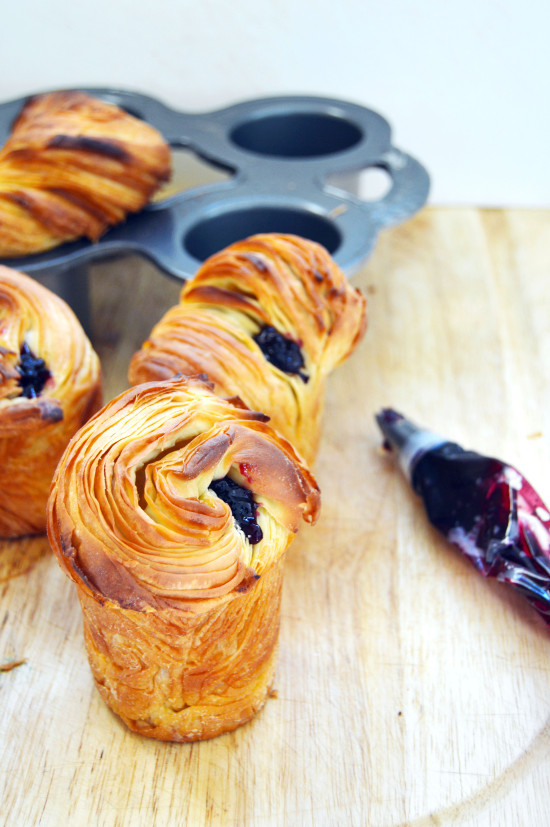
[72, 167]
[180, 609]
[180, 676]
[35, 432]
[267, 280]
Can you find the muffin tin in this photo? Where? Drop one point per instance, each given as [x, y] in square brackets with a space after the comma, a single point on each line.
[281, 153]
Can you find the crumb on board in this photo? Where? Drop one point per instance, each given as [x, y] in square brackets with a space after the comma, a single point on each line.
[12, 664]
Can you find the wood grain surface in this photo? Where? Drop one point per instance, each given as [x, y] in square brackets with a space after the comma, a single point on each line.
[409, 691]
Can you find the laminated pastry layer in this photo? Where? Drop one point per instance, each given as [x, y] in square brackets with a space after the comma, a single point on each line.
[50, 384]
[266, 319]
[74, 166]
[150, 517]
[185, 676]
[133, 514]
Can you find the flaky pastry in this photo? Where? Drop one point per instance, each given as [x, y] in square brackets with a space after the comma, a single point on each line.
[74, 166]
[50, 383]
[266, 319]
[172, 511]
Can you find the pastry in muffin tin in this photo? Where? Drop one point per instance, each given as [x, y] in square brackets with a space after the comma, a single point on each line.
[50, 383]
[172, 512]
[72, 167]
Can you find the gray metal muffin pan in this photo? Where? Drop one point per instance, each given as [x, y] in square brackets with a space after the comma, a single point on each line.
[281, 153]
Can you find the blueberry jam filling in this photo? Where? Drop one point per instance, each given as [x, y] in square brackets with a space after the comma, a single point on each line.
[282, 352]
[242, 505]
[33, 373]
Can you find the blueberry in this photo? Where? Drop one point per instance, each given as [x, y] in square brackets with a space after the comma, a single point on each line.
[241, 502]
[281, 351]
[33, 373]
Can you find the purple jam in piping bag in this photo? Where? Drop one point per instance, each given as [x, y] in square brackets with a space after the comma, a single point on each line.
[482, 505]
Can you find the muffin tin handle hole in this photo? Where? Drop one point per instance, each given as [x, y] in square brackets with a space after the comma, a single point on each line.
[370, 184]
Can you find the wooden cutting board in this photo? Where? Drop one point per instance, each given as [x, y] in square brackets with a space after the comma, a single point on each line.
[410, 691]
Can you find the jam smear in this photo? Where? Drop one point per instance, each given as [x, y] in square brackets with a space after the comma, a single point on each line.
[281, 351]
[241, 502]
[33, 373]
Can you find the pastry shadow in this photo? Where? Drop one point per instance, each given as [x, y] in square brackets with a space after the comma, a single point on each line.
[20, 555]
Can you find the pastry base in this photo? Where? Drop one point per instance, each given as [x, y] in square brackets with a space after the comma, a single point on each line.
[181, 675]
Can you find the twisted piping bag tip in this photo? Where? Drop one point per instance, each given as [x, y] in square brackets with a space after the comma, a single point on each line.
[407, 440]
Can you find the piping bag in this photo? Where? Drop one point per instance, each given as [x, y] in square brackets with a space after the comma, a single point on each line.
[483, 506]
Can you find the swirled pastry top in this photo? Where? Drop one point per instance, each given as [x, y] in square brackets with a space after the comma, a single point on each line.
[34, 321]
[72, 167]
[133, 518]
[267, 319]
[285, 281]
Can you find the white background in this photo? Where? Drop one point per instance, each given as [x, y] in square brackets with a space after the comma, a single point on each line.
[465, 84]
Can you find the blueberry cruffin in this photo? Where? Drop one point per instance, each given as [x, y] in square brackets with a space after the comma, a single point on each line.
[72, 167]
[172, 511]
[267, 319]
[50, 383]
